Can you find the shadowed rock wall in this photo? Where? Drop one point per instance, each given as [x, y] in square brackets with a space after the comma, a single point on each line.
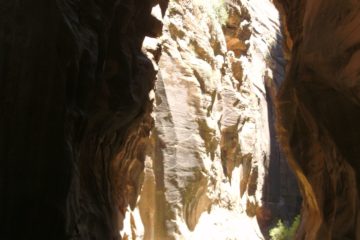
[74, 109]
[319, 111]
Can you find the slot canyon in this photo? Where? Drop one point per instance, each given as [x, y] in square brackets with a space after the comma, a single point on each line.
[179, 119]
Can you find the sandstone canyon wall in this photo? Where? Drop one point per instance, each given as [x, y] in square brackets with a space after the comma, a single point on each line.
[78, 99]
[74, 109]
[319, 112]
[214, 168]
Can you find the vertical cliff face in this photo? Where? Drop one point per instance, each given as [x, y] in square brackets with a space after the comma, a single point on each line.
[74, 112]
[77, 107]
[319, 113]
[214, 169]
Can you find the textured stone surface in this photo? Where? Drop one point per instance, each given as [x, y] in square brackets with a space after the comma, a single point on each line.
[74, 110]
[75, 114]
[319, 112]
[213, 144]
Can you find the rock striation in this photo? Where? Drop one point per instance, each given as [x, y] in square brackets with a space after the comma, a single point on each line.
[74, 113]
[319, 110]
[77, 105]
[214, 168]
[78, 101]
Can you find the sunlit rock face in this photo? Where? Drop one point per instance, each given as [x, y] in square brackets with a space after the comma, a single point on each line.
[214, 169]
[319, 112]
[74, 110]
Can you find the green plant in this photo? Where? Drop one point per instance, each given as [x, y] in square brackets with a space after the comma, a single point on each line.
[282, 232]
[215, 8]
[220, 10]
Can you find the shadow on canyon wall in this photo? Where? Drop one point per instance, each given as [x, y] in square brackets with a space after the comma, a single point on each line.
[282, 198]
[319, 113]
[74, 110]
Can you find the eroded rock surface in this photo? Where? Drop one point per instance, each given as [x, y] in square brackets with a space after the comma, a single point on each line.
[320, 110]
[213, 143]
[74, 110]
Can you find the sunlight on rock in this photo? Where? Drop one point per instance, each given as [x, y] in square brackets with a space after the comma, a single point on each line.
[210, 150]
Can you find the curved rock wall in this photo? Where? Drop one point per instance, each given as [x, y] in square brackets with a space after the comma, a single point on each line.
[214, 169]
[74, 110]
[75, 116]
[319, 112]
